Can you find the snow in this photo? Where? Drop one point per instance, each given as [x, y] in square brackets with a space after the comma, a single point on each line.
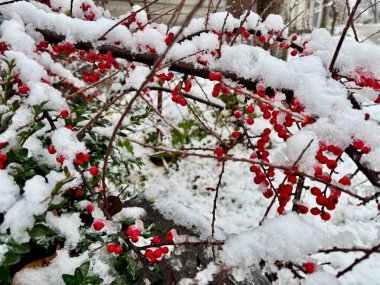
[131, 213]
[66, 144]
[3, 251]
[33, 202]
[68, 226]
[9, 191]
[51, 274]
[321, 278]
[291, 238]
[187, 194]
[203, 277]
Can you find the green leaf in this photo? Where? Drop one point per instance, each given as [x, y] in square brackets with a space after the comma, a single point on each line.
[78, 275]
[57, 187]
[10, 258]
[93, 280]
[85, 267]
[39, 230]
[20, 248]
[22, 153]
[69, 279]
[4, 276]
[58, 206]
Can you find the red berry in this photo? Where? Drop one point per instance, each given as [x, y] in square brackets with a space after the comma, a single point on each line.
[94, 171]
[156, 240]
[359, 144]
[169, 236]
[266, 132]
[330, 205]
[129, 231]
[237, 115]
[316, 191]
[219, 151]
[165, 250]
[321, 200]
[235, 134]
[89, 208]
[213, 76]
[118, 249]
[294, 52]
[325, 216]
[51, 149]
[331, 164]
[149, 253]
[366, 149]
[294, 38]
[250, 121]
[60, 159]
[3, 158]
[2, 145]
[303, 209]
[111, 248]
[250, 109]
[309, 267]
[315, 211]
[79, 192]
[157, 253]
[98, 225]
[65, 114]
[268, 193]
[134, 238]
[345, 181]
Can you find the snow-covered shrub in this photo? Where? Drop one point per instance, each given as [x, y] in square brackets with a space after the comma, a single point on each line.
[84, 102]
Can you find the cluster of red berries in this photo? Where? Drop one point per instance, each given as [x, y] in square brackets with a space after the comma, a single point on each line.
[177, 97]
[360, 146]
[43, 45]
[163, 77]
[218, 88]
[133, 233]
[322, 159]
[260, 177]
[326, 203]
[132, 19]
[82, 158]
[261, 151]
[88, 13]
[367, 80]
[22, 89]
[102, 63]
[64, 49]
[114, 248]
[156, 254]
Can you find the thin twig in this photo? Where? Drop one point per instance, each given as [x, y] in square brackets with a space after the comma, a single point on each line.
[343, 36]
[214, 205]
